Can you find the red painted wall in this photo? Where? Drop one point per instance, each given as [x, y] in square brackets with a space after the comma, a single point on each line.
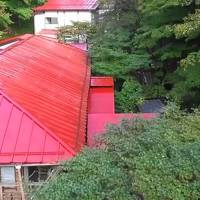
[101, 95]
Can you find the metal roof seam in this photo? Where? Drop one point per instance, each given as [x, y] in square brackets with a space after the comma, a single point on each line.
[27, 154]
[58, 156]
[43, 150]
[6, 129]
[17, 135]
[38, 123]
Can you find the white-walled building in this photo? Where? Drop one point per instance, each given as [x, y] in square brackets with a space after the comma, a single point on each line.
[58, 13]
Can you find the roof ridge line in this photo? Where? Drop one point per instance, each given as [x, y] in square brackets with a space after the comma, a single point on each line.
[61, 44]
[48, 131]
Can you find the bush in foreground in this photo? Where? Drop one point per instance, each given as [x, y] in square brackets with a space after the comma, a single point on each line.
[142, 160]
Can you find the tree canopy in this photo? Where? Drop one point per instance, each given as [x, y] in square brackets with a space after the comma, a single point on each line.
[159, 37]
[13, 13]
[156, 159]
[169, 30]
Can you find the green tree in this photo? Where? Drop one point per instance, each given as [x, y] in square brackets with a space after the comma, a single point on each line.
[169, 31]
[161, 36]
[112, 48]
[188, 84]
[21, 9]
[16, 14]
[130, 96]
[4, 18]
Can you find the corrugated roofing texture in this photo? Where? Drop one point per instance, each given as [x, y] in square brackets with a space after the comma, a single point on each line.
[68, 5]
[24, 140]
[51, 82]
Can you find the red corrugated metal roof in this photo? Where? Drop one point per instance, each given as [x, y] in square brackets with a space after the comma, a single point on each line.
[97, 123]
[51, 82]
[51, 5]
[101, 95]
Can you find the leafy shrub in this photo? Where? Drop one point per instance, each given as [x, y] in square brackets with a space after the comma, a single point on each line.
[130, 96]
[157, 159]
[92, 175]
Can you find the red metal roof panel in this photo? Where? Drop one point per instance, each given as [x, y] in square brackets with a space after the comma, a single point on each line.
[51, 5]
[23, 140]
[51, 82]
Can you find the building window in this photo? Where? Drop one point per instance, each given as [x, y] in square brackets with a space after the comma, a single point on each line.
[39, 174]
[7, 175]
[51, 20]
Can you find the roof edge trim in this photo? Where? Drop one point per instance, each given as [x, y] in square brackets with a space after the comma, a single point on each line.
[40, 9]
[84, 105]
[103, 81]
[20, 38]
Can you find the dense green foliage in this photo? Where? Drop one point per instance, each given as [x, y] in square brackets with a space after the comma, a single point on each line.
[4, 17]
[157, 36]
[16, 15]
[169, 30]
[141, 160]
[129, 96]
[111, 46]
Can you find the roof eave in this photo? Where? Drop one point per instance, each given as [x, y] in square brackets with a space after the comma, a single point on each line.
[42, 8]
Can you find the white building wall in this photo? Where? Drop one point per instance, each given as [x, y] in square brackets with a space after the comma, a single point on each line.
[50, 14]
[39, 22]
[85, 16]
[61, 18]
[64, 18]
[71, 16]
